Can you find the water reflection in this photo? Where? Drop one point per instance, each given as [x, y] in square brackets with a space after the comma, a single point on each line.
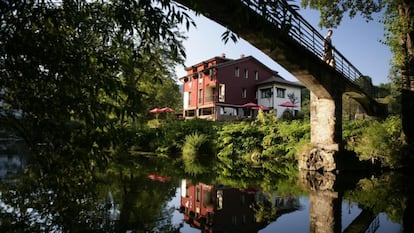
[145, 194]
[328, 191]
[218, 208]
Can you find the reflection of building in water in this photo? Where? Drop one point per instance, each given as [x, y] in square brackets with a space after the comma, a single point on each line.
[215, 208]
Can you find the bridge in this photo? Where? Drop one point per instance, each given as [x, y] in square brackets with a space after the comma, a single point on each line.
[326, 193]
[275, 28]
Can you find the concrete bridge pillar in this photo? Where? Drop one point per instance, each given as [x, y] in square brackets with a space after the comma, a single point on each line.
[325, 203]
[326, 133]
[326, 121]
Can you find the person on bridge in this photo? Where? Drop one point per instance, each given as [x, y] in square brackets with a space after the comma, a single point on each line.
[327, 48]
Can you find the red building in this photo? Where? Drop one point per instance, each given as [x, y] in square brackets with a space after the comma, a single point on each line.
[218, 208]
[217, 88]
[215, 208]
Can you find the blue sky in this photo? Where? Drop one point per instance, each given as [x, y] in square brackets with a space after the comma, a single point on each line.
[357, 40]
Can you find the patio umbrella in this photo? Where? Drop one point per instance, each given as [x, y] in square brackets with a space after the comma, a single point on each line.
[155, 111]
[249, 105]
[288, 104]
[167, 109]
[261, 107]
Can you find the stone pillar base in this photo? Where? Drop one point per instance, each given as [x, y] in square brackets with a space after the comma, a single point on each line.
[319, 158]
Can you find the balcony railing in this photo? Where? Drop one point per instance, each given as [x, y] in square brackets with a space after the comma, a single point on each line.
[209, 99]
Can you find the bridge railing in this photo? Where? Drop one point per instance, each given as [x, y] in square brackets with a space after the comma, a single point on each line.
[288, 21]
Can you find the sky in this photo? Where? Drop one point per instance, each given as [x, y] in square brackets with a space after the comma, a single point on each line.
[356, 39]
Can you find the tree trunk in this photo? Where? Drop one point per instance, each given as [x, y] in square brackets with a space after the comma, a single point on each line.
[406, 12]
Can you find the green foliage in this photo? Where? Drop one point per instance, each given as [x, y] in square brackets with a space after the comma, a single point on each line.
[332, 14]
[381, 142]
[385, 194]
[365, 83]
[195, 144]
[266, 142]
[88, 62]
[352, 130]
[272, 137]
[238, 138]
[171, 136]
[197, 153]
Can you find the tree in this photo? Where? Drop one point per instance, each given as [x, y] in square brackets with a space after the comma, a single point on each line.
[399, 25]
[83, 61]
[365, 83]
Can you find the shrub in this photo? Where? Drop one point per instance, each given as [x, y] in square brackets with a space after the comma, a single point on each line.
[196, 144]
[197, 151]
[172, 135]
[382, 142]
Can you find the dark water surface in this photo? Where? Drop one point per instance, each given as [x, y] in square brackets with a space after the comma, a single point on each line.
[144, 194]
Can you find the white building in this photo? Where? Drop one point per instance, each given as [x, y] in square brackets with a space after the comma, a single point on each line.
[280, 94]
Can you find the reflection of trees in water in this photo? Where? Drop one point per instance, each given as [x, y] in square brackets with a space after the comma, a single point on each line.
[390, 193]
[269, 208]
[71, 196]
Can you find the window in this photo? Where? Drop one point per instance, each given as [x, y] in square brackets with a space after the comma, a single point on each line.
[198, 193]
[265, 93]
[246, 73]
[237, 72]
[280, 92]
[200, 96]
[222, 92]
[211, 74]
[200, 78]
[219, 199]
[244, 93]
[189, 99]
[256, 75]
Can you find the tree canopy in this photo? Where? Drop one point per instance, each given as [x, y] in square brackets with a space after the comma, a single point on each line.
[84, 61]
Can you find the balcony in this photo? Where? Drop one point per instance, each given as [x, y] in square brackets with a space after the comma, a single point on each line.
[210, 98]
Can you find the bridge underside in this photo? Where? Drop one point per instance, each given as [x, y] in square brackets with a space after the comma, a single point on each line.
[326, 84]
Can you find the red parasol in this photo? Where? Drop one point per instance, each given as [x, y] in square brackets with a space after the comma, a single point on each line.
[288, 104]
[249, 105]
[161, 110]
[167, 109]
[261, 107]
[155, 111]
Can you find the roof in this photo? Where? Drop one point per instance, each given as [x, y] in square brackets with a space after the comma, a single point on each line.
[242, 59]
[278, 79]
[223, 62]
[217, 58]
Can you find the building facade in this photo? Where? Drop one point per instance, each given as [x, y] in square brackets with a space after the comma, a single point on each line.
[219, 88]
[218, 208]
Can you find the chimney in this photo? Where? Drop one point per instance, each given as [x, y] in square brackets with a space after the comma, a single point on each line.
[223, 55]
[241, 55]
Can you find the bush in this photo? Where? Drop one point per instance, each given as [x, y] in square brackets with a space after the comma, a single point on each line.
[381, 142]
[172, 135]
[195, 145]
[197, 152]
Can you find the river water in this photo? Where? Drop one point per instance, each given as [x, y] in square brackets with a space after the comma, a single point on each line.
[150, 194]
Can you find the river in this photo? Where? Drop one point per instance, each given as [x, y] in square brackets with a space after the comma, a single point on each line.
[152, 194]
